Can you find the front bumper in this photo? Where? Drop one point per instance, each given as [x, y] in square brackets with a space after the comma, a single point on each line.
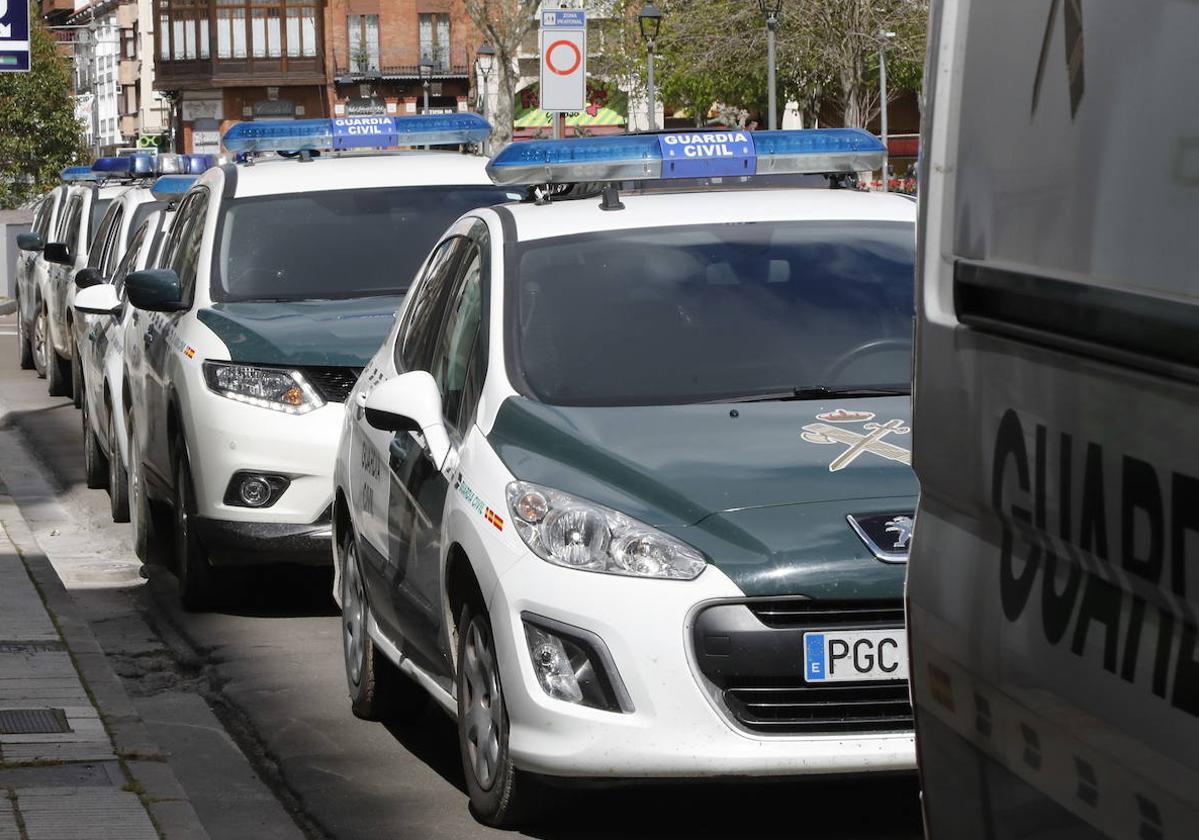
[260, 543]
[677, 728]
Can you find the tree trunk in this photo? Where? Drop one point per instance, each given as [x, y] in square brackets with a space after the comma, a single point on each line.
[502, 117]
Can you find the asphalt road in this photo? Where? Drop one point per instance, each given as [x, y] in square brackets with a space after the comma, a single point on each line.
[251, 700]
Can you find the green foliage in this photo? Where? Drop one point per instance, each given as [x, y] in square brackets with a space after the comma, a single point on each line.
[39, 134]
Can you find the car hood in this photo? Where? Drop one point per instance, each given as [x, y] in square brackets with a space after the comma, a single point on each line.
[758, 487]
[314, 332]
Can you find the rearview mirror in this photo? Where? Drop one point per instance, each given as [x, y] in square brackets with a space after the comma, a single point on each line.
[101, 299]
[87, 277]
[57, 252]
[155, 290]
[411, 403]
[30, 242]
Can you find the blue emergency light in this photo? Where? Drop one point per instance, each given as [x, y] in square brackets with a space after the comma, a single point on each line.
[687, 154]
[171, 187]
[198, 164]
[355, 132]
[79, 173]
[128, 166]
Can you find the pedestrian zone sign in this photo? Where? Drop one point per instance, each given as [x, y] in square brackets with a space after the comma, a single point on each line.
[14, 36]
[563, 60]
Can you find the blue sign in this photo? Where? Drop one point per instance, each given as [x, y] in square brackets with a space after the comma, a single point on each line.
[564, 19]
[14, 36]
[814, 657]
[363, 132]
[707, 154]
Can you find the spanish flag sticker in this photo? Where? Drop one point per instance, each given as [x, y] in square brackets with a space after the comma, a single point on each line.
[494, 518]
[190, 352]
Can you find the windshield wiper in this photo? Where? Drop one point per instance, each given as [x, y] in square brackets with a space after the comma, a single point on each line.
[817, 392]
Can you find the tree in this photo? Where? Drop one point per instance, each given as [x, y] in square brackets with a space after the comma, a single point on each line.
[504, 24]
[39, 134]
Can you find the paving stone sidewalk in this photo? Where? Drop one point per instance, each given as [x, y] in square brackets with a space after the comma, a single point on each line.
[76, 763]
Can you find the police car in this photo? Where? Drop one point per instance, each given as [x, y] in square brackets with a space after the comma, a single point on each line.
[32, 267]
[102, 312]
[627, 488]
[277, 281]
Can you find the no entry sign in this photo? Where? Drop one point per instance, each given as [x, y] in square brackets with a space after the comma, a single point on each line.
[563, 60]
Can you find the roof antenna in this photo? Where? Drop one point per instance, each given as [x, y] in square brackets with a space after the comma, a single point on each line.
[611, 198]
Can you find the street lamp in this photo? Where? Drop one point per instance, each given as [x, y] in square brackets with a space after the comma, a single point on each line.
[650, 21]
[485, 60]
[426, 71]
[770, 9]
[884, 37]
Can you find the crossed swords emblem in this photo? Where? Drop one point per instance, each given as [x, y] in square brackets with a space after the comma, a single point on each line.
[858, 443]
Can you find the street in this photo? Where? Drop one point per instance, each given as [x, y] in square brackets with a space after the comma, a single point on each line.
[251, 702]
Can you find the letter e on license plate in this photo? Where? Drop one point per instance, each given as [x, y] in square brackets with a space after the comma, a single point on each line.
[855, 655]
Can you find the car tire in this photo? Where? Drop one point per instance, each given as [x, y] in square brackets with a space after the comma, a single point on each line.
[76, 378]
[41, 342]
[499, 793]
[118, 476]
[195, 573]
[24, 344]
[147, 536]
[58, 372]
[378, 691]
[95, 464]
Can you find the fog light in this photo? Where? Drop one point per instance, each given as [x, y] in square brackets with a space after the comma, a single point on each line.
[570, 666]
[254, 491]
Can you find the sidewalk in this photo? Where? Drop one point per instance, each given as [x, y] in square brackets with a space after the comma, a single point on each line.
[76, 762]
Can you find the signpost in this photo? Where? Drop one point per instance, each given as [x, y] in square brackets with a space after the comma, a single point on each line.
[563, 62]
[14, 36]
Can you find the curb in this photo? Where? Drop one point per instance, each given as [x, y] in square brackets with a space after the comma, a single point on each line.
[162, 794]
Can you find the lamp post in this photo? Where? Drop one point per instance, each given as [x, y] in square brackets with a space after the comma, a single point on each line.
[650, 21]
[882, 93]
[426, 71]
[770, 9]
[485, 60]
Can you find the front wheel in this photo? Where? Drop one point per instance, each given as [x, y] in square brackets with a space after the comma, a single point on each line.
[378, 691]
[147, 538]
[41, 342]
[195, 573]
[58, 372]
[118, 476]
[498, 791]
[95, 464]
[24, 345]
[76, 378]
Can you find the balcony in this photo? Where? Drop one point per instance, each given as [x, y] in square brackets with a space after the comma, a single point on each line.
[448, 67]
[127, 73]
[233, 72]
[129, 126]
[56, 8]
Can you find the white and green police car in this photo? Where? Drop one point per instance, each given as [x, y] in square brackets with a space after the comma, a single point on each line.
[627, 489]
[32, 268]
[276, 283]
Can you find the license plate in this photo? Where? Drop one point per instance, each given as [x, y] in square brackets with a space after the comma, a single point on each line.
[855, 655]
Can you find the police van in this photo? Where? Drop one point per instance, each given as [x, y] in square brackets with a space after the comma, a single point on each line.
[1053, 587]
[102, 314]
[626, 489]
[276, 283]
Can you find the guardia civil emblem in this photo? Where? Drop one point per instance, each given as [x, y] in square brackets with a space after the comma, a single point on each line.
[870, 440]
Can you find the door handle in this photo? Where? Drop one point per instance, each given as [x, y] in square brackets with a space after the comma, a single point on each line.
[360, 404]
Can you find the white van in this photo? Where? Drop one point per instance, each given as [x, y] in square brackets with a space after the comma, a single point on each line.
[1053, 585]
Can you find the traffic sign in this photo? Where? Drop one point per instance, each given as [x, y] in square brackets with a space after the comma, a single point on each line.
[563, 60]
[14, 36]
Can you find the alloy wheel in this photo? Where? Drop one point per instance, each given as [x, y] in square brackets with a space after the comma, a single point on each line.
[484, 704]
[353, 611]
[40, 344]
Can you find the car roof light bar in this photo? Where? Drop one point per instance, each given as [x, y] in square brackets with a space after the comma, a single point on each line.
[355, 132]
[171, 187]
[687, 154]
[198, 164]
[79, 173]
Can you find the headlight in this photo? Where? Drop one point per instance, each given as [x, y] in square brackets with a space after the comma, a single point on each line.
[280, 389]
[579, 534]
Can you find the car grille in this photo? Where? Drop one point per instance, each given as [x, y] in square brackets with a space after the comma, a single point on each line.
[332, 383]
[753, 654]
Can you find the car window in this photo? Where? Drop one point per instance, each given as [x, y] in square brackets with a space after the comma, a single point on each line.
[183, 247]
[68, 225]
[422, 318]
[42, 225]
[41, 216]
[451, 361]
[141, 213]
[95, 215]
[129, 260]
[702, 313]
[103, 243]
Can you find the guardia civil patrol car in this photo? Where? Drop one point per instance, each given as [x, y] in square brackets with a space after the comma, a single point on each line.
[627, 488]
[277, 281]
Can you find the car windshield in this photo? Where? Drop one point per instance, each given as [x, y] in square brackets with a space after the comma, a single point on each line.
[336, 244]
[706, 313]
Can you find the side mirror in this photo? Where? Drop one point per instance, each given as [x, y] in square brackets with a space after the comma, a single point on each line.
[98, 300]
[155, 290]
[87, 277]
[411, 403]
[30, 242]
[57, 252]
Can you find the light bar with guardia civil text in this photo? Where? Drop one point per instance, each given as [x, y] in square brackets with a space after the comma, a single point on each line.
[687, 154]
[355, 133]
[171, 187]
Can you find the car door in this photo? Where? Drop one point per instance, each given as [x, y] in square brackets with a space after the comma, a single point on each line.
[106, 329]
[418, 489]
[58, 275]
[383, 567]
[102, 256]
[181, 253]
